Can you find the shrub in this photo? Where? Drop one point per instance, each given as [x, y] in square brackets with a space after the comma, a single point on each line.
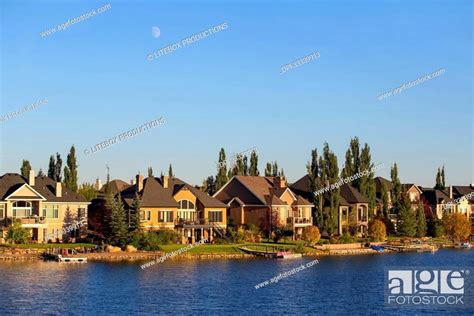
[236, 235]
[457, 226]
[152, 240]
[299, 248]
[346, 238]
[17, 234]
[252, 234]
[377, 230]
[311, 234]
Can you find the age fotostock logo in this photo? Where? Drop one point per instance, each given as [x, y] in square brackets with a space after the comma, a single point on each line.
[422, 287]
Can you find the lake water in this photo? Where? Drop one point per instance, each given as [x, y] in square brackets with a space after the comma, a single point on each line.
[337, 285]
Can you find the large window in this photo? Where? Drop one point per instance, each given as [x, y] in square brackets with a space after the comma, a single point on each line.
[50, 211]
[186, 205]
[187, 215]
[165, 216]
[215, 216]
[22, 209]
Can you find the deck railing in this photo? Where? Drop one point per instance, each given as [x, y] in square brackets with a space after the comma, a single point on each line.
[299, 220]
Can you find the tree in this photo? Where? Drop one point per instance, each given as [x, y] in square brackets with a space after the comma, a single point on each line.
[41, 173]
[330, 171]
[150, 172]
[421, 226]
[407, 224]
[135, 219]
[221, 177]
[25, 168]
[397, 189]
[118, 227]
[52, 167]
[88, 191]
[170, 172]
[238, 168]
[367, 181]
[268, 170]
[58, 167]
[314, 178]
[246, 167]
[385, 207]
[210, 185]
[17, 234]
[443, 180]
[311, 234]
[438, 184]
[70, 170]
[456, 226]
[352, 163]
[377, 230]
[253, 171]
[275, 169]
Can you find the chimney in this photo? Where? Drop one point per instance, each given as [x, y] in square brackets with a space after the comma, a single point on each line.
[59, 189]
[139, 182]
[279, 182]
[31, 178]
[165, 180]
[450, 191]
[98, 184]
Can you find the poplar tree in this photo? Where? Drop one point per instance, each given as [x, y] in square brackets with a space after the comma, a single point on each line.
[385, 206]
[41, 173]
[70, 171]
[52, 167]
[421, 226]
[275, 169]
[150, 172]
[367, 182]
[397, 188]
[438, 184]
[25, 168]
[443, 180]
[253, 171]
[209, 185]
[221, 177]
[58, 168]
[331, 171]
[314, 186]
[268, 170]
[352, 162]
[246, 167]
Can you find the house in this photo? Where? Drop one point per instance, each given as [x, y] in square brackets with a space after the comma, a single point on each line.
[437, 200]
[353, 207]
[464, 196]
[41, 205]
[264, 202]
[172, 204]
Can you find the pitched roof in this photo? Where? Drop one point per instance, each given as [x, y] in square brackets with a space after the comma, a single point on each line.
[205, 199]
[435, 196]
[351, 195]
[462, 190]
[302, 184]
[301, 201]
[381, 180]
[45, 186]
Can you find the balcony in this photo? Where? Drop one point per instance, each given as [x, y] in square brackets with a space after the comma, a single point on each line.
[28, 221]
[299, 221]
[197, 223]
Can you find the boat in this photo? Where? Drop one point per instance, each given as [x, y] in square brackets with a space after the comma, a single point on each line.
[60, 258]
[288, 255]
[464, 245]
[377, 248]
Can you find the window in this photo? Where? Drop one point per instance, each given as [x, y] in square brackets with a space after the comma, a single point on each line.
[142, 215]
[187, 215]
[165, 216]
[148, 215]
[21, 209]
[81, 213]
[2, 211]
[44, 211]
[55, 211]
[186, 205]
[215, 216]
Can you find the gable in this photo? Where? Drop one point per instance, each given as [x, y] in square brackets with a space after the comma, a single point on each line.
[25, 192]
[287, 197]
[185, 194]
[233, 189]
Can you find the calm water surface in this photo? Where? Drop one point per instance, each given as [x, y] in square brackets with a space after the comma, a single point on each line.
[335, 286]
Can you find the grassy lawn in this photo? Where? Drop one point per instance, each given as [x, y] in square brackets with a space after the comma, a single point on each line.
[45, 246]
[204, 249]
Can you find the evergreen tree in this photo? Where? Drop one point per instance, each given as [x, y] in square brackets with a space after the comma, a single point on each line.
[397, 189]
[58, 168]
[41, 173]
[352, 162]
[239, 167]
[421, 226]
[135, 220]
[253, 171]
[70, 170]
[221, 177]
[385, 208]
[150, 172]
[268, 170]
[407, 223]
[52, 167]
[118, 226]
[25, 168]
[170, 172]
[367, 182]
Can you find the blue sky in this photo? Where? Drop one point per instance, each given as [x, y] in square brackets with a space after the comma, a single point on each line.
[227, 90]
